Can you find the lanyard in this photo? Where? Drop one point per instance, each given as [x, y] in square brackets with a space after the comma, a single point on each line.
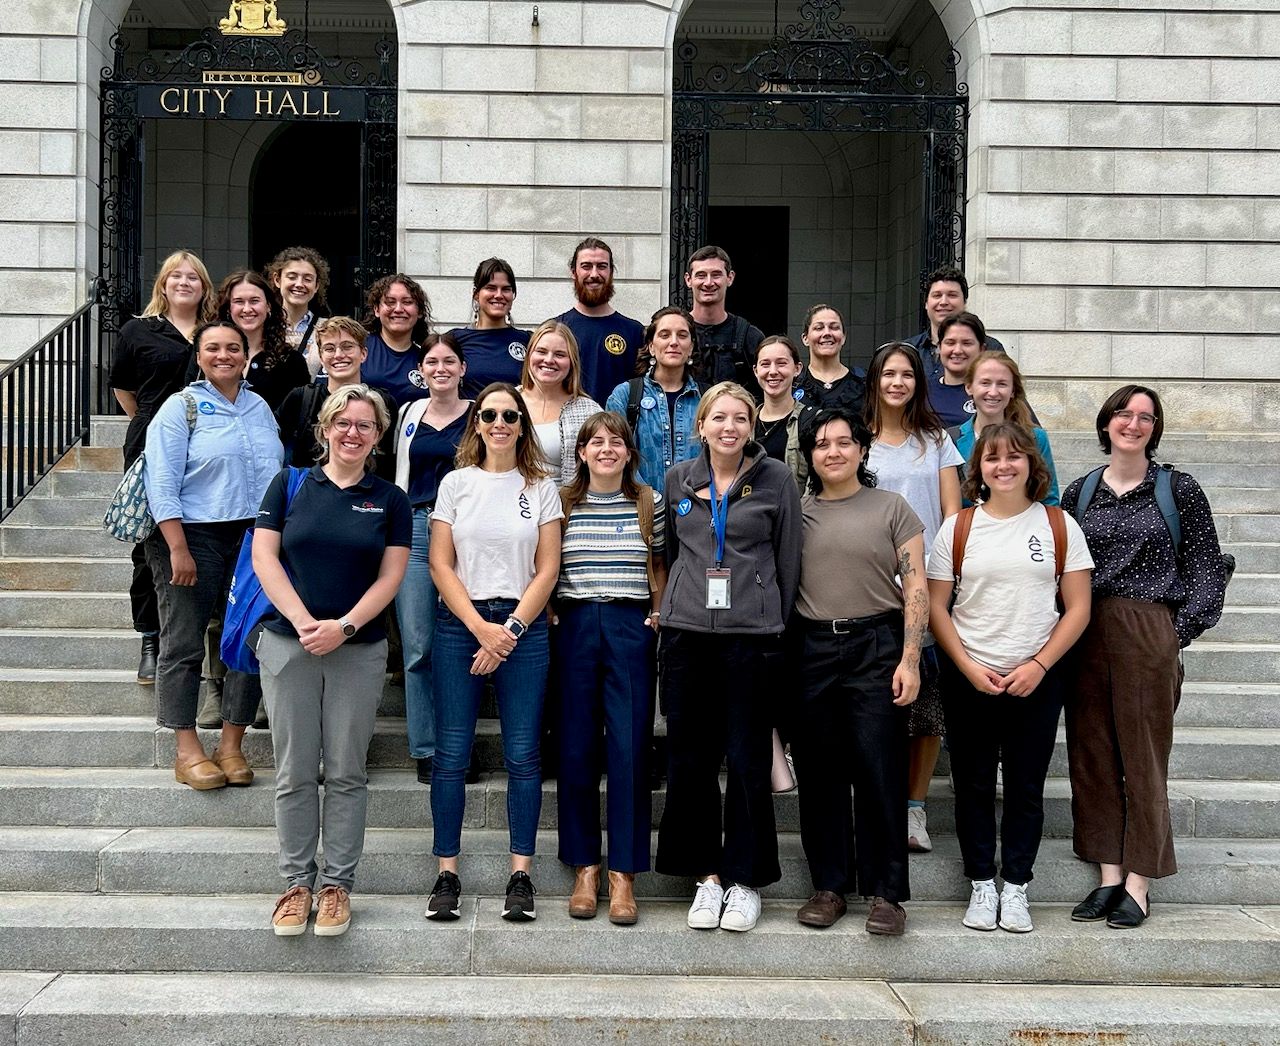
[720, 515]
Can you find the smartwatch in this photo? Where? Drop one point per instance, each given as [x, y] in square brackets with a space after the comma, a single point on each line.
[515, 626]
[348, 629]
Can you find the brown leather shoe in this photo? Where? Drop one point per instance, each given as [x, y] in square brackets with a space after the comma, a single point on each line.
[201, 774]
[822, 909]
[236, 767]
[886, 919]
[622, 899]
[586, 890]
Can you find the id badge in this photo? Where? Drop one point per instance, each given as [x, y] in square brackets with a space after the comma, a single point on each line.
[718, 589]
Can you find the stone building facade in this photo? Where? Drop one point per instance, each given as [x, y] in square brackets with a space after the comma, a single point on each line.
[1122, 195]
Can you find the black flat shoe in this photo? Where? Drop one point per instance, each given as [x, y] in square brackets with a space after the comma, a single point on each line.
[1128, 914]
[1099, 904]
[424, 770]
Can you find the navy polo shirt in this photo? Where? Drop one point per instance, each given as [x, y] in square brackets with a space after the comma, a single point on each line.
[492, 354]
[332, 543]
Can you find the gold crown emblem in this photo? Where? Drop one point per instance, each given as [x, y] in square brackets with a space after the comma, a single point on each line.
[252, 18]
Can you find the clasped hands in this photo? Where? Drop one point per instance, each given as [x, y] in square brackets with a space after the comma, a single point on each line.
[1020, 682]
[496, 644]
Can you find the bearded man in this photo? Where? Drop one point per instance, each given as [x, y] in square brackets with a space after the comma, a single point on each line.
[607, 340]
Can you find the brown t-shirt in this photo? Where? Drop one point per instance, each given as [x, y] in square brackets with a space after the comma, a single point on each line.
[850, 554]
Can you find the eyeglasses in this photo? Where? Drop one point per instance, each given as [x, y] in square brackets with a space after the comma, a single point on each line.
[489, 416]
[333, 348]
[365, 428]
[1144, 419]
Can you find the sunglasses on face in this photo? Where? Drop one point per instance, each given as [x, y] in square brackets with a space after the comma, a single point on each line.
[489, 416]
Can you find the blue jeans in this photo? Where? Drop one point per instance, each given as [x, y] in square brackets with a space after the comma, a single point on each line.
[416, 611]
[521, 685]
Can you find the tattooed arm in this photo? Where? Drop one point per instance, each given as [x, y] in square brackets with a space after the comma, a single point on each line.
[915, 612]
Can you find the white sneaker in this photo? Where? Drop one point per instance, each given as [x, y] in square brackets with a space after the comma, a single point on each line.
[704, 913]
[741, 908]
[983, 903]
[1014, 913]
[918, 840]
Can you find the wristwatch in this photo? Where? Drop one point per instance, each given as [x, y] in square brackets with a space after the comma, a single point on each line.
[348, 629]
[515, 626]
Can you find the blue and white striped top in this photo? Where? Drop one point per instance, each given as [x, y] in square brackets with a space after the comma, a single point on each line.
[603, 555]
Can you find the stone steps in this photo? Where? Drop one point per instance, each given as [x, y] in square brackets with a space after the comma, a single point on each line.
[134, 741]
[68, 574]
[353, 1010]
[111, 797]
[399, 861]
[1186, 450]
[117, 933]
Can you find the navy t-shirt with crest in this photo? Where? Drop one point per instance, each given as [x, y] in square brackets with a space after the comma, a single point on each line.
[491, 354]
[332, 543]
[608, 346]
[397, 372]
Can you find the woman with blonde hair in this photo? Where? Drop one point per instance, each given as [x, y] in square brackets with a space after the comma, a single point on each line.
[733, 535]
[551, 384]
[152, 357]
[612, 574]
[330, 561]
[494, 556]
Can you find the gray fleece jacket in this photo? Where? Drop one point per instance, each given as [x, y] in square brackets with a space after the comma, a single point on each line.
[762, 547]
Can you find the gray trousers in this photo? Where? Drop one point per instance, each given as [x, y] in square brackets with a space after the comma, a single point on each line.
[321, 705]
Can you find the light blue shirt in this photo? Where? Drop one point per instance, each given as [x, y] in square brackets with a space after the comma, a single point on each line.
[218, 471]
[965, 442]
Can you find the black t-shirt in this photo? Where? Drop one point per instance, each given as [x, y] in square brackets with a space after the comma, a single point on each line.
[332, 543]
[848, 392]
[727, 352]
[431, 456]
[290, 372]
[297, 430]
[772, 435]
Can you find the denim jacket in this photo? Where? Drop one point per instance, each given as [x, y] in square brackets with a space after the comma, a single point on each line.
[659, 447]
[219, 470]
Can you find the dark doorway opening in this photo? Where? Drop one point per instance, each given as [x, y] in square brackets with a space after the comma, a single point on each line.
[306, 192]
[757, 239]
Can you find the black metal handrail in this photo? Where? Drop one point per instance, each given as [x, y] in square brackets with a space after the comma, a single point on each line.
[44, 405]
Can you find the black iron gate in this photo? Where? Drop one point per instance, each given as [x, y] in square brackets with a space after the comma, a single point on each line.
[819, 75]
[234, 77]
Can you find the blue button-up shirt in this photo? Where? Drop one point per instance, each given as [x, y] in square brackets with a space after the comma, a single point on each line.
[219, 470]
[661, 446]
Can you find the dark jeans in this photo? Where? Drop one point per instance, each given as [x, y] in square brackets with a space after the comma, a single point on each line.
[1018, 733]
[185, 611]
[719, 693]
[849, 732]
[142, 587]
[521, 684]
[606, 669]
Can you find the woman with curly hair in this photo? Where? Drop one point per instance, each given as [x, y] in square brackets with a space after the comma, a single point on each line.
[249, 301]
[398, 321]
[300, 276]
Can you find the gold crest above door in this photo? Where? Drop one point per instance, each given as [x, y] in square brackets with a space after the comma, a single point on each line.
[252, 18]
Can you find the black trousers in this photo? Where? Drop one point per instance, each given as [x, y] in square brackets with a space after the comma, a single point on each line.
[850, 733]
[1018, 733]
[718, 692]
[142, 587]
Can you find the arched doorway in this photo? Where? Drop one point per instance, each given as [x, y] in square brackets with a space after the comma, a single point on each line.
[218, 137]
[832, 158]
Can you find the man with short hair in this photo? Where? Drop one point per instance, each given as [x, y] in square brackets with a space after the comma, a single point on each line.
[608, 341]
[726, 343]
[945, 293]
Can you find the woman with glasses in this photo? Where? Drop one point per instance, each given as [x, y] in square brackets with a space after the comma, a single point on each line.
[330, 561]
[428, 434]
[494, 347]
[1151, 597]
[495, 556]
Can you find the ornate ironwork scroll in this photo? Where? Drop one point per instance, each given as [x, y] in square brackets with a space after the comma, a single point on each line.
[818, 74]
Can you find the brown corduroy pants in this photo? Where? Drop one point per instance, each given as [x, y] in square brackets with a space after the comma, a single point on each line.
[1120, 733]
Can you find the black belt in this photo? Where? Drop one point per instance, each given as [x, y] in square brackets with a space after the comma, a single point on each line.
[842, 626]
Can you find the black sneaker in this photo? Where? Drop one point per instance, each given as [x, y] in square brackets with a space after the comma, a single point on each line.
[519, 904]
[445, 898]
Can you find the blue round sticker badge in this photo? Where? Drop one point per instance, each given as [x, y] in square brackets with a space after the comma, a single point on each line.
[684, 507]
[409, 430]
[797, 394]
[648, 403]
[207, 408]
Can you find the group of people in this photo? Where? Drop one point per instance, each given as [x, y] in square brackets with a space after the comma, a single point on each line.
[851, 565]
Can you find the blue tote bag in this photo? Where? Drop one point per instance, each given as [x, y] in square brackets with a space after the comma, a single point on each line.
[247, 604]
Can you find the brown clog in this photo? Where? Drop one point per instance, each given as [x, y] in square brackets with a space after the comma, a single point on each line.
[236, 768]
[201, 774]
